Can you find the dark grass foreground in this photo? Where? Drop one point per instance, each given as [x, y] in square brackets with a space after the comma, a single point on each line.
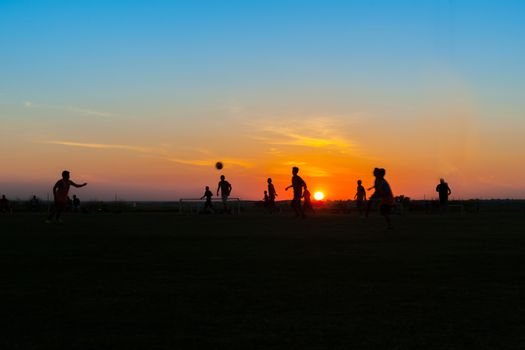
[159, 281]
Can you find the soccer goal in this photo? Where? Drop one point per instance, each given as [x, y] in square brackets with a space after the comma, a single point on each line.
[196, 206]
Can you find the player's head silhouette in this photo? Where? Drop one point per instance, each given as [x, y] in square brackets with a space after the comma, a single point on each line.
[295, 170]
[359, 182]
[269, 180]
[65, 175]
[223, 177]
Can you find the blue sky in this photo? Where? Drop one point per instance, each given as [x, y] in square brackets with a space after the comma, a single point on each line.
[173, 66]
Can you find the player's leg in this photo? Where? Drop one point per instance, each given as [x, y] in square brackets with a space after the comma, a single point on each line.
[385, 211]
[59, 209]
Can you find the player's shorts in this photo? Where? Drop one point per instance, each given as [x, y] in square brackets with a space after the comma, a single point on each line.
[385, 209]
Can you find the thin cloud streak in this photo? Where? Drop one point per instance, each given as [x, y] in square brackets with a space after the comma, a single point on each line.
[310, 133]
[105, 146]
[85, 111]
[164, 155]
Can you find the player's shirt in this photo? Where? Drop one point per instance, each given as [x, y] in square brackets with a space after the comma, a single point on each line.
[225, 188]
[208, 195]
[62, 190]
[443, 190]
[297, 184]
[361, 193]
[271, 191]
[384, 190]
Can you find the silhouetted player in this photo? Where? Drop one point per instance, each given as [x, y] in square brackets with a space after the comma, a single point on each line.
[225, 188]
[387, 197]
[4, 205]
[444, 191]
[360, 197]
[266, 199]
[307, 205]
[207, 195]
[297, 184]
[374, 198]
[271, 196]
[60, 193]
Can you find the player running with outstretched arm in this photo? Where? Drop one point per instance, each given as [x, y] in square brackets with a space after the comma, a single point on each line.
[60, 194]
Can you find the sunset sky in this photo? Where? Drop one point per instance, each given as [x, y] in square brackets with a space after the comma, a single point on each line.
[141, 98]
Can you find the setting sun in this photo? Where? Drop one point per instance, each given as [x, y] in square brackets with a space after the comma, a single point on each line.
[319, 196]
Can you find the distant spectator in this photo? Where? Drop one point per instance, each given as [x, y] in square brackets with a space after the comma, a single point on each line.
[76, 203]
[34, 203]
[444, 191]
[5, 206]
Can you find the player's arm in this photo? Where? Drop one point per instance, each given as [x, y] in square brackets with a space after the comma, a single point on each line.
[449, 191]
[286, 189]
[77, 185]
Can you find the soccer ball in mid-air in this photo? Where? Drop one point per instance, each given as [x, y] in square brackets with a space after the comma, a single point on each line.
[219, 165]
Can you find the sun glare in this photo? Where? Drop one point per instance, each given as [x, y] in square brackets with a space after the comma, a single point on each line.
[319, 196]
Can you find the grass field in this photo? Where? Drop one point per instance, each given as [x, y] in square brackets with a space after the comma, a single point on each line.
[162, 281]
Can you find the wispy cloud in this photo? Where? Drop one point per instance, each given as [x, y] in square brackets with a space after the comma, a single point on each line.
[74, 109]
[311, 133]
[293, 163]
[154, 151]
[105, 146]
